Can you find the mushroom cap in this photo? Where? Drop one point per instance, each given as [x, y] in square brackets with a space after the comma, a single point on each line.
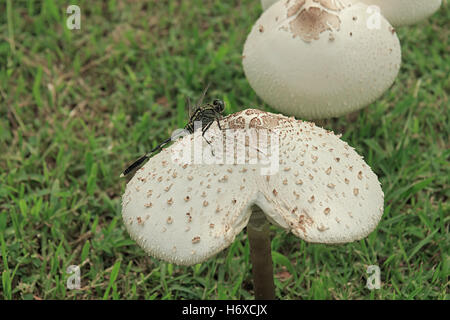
[317, 59]
[405, 12]
[184, 211]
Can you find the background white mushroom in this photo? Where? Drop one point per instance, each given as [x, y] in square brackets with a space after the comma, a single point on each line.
[405, 12]
[319, 59]
[184, 213]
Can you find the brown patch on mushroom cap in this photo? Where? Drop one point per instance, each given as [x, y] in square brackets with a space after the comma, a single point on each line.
[270, 122]
[237, 123]
[304, 221]
[311, 22]
[250, 112]
[295, 7]
[255, 123]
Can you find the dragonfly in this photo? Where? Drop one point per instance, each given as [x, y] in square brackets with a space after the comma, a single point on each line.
[207, 114]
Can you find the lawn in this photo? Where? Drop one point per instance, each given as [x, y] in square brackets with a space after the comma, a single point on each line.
[76, 106]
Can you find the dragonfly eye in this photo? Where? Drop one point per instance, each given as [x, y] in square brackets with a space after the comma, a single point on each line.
[219, 105]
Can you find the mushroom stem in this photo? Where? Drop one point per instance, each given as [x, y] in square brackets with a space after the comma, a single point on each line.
[261, 255]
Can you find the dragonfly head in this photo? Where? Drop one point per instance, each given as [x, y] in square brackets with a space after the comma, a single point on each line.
[219, 105]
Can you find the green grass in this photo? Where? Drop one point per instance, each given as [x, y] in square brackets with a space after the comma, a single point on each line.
[77, 106]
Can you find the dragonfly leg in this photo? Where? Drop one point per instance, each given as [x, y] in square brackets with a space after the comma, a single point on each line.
[218, 122]
[203, 135]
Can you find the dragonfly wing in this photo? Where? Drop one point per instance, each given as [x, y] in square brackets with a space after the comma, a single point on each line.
[200, 101]
[189, 107]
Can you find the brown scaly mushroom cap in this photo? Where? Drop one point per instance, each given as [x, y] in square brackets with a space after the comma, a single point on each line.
[322, 190]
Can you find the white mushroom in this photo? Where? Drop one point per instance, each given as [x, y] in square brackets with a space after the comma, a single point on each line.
[338, 200]
[405, 12]
[320, 58]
